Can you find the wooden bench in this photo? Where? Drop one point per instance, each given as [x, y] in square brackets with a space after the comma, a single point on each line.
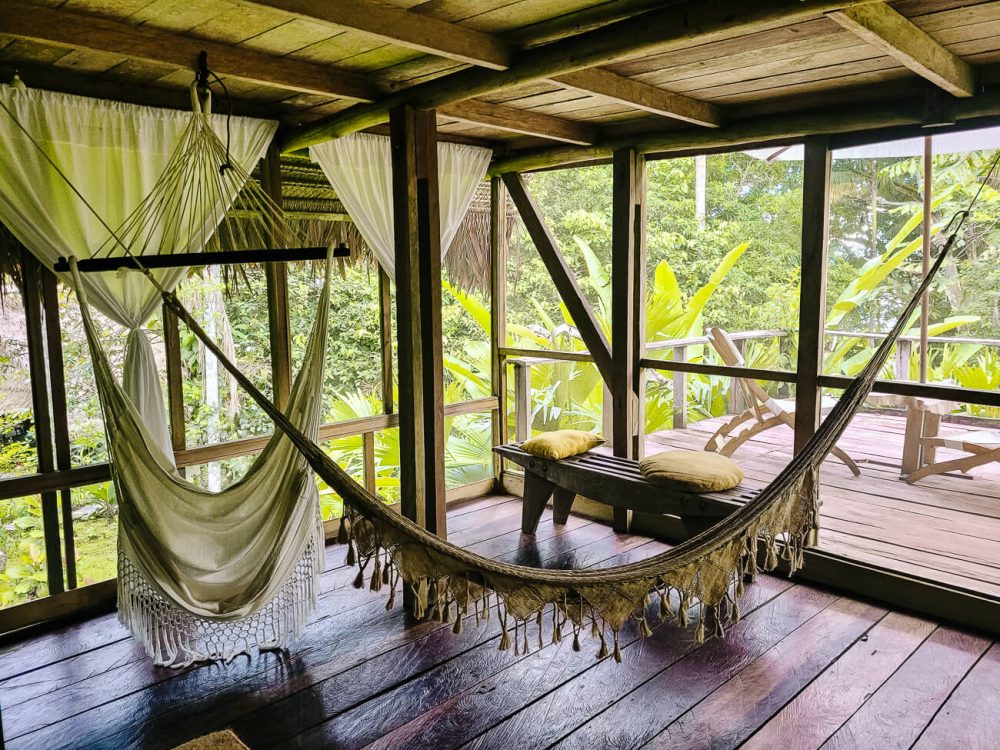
[613, 481]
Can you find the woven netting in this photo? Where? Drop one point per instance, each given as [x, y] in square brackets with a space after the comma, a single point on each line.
[706, 573]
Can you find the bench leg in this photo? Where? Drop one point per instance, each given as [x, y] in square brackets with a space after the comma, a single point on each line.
[621, 520]
[537, 492]
[697, 524]
[562, 503]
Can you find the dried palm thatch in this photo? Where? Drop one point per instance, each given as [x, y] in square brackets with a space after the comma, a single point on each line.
[311, 205]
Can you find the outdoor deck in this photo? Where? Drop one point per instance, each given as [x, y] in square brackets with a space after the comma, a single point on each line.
[944, 528]
[803, 667]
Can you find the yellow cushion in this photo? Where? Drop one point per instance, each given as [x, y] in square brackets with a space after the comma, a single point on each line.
[561, 443]
[697, 471]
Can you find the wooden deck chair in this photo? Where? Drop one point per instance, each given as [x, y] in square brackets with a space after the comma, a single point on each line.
[764, 411]
[983, 445]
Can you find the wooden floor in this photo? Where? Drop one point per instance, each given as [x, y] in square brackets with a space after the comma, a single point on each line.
[944, 528]
[804, 668]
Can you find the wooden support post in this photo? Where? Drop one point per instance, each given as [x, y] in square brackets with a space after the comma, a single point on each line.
[522, 400]
[175, 379]
[902, 365]
[418, 316]
[385, 336]
[31, 289]
[736, 401]
[562, 275]
[498, 316]
[680, 390]
[607, 414]
[812, 293]
[628, 265]
[60, 418]
[276, 274]
[368, 459]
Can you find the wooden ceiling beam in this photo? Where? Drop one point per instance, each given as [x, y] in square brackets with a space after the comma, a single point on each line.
[84, 31]
[685, 23]
[443, 39]
[406, 28]
[643, 96]
[903, 112]
[521, 121]
[898, 37]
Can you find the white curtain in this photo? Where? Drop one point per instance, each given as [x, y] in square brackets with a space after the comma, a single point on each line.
[113, 153]
[359, 167]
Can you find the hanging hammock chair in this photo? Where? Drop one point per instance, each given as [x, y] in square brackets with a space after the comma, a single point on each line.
[201, 574]
[189, 600]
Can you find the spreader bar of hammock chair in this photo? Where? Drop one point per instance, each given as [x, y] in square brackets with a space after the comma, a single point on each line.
[209, 258]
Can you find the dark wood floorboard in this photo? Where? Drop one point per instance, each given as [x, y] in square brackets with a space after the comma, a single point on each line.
[803, 668]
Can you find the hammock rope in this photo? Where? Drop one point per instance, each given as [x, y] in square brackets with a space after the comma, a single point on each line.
[706, 573]
[449, 581]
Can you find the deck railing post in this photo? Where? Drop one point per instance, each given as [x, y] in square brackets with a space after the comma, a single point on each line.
[680, 390]
[522, 400]
[904, 348]
[736, 401]
[368, 459]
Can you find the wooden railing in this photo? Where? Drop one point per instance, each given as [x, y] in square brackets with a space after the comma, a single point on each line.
[523, 360]
[366, 427]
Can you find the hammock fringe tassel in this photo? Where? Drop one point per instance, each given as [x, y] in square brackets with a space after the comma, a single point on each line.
[705, 592]
[700, 579]
[175, 637]
[706, 572]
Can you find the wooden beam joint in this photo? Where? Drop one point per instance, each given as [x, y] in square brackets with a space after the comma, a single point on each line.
[900, 38]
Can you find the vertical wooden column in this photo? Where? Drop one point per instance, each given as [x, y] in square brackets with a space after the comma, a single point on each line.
[385, 336]
[175, 379]
[812, 294]
[276, 274]
[498, 315]
[628, 263]
[418, 316]
[60, 417]
[32, 287]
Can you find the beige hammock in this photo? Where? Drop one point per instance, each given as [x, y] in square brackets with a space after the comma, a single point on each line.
[708, 570]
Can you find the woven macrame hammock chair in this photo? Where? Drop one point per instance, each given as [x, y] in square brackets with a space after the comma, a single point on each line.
[705, 574]
[201, 574]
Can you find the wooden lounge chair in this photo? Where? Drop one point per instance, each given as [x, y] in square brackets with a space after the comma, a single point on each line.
[613, 481]
[764, 411]
[982, 445]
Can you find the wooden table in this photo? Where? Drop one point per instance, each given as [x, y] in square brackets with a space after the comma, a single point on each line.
[923, 419]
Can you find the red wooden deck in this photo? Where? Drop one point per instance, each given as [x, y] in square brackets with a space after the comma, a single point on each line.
[803, 667]
[944, 528]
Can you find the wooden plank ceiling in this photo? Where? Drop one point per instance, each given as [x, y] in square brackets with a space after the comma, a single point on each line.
[309, 61]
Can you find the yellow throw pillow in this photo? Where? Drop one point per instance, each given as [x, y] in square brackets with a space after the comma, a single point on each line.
[561, 443]
[697, 471]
